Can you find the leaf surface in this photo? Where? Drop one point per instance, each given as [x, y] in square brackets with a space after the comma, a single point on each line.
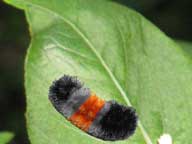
[5, 137]
[118, 54]
[186, 46]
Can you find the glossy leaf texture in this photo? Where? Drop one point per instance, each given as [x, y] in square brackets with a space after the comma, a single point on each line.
[5, 137]
[118, 54]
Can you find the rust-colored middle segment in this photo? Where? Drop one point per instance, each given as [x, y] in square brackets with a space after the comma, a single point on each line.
[87, 112]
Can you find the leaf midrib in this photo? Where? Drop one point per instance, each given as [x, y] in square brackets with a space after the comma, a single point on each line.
[75, 28]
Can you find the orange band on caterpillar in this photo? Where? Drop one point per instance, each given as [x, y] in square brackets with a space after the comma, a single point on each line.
[87, 112]
[106, 120]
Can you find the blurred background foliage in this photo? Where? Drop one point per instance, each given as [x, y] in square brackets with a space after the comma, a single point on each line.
[174, 17]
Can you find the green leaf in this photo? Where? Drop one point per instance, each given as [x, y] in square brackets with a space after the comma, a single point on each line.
[5, 137]
[119, 55]
[186, 46]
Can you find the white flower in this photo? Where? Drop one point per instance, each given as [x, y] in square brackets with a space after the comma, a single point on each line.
[165, 139]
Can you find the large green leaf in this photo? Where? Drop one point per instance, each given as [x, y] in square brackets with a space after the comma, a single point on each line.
[119, 55]
[5, 137]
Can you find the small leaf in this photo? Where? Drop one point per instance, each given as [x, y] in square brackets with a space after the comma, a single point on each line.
[119, 55]
[5, 137]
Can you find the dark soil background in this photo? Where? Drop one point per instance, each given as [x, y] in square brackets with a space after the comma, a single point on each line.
[174, 17]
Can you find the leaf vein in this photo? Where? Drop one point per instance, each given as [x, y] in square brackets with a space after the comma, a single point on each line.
[91, 46]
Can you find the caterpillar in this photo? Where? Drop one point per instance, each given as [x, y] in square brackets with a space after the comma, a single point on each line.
[106, 120]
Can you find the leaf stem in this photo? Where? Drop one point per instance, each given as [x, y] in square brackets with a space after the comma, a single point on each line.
[145, 135]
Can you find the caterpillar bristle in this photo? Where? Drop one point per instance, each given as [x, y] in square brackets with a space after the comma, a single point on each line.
[106, 120]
